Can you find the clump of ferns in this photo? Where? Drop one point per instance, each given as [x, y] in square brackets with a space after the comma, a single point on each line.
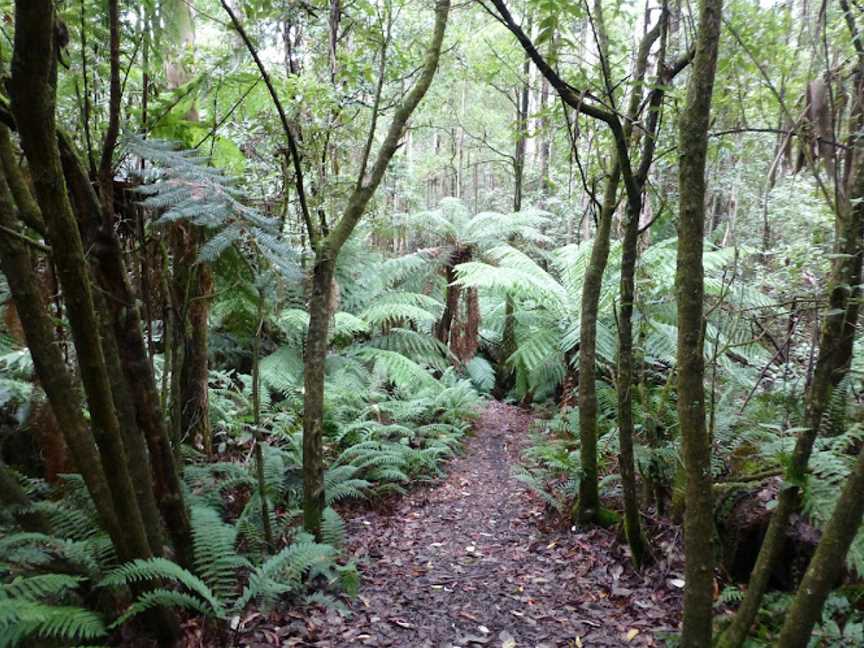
[551, 464]
[54, 584]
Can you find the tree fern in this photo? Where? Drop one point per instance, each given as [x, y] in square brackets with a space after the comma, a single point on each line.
[183, 186]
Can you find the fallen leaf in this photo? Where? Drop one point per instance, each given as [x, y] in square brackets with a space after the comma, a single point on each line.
[401, 623]
[631, 634]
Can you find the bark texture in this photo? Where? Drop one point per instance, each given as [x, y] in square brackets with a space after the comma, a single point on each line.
[54, 376]
[156, 468]
[626, 375]
[690, 290]
[33, 88]
[589, 494]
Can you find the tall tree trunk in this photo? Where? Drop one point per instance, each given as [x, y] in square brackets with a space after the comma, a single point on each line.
[97, 224]
[327, 249]
[689, 293]
[313, 383]
[192, 282]
[592, 284]
[589, 509]
[33, 88]
[155, 465]
[629, 254]
[63, 392]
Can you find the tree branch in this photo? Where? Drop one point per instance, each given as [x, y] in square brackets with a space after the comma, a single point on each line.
[363, 192]
[286, 127]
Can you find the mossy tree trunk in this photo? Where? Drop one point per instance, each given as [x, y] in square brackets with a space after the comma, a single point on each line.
[592, 283]
[315, 356]
[827, 565]
[626, 377]
[191, 280]
[61, 388]
[326, 252]
[689, 293]
[588, 506]
[156, 466]
[33, 91]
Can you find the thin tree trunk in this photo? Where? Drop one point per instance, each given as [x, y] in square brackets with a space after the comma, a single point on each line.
[826, 567]
[313, 403]
[690, 290]
[589, 509]
[326, 252]
[592, 284]
[629, 253]
[629, 256]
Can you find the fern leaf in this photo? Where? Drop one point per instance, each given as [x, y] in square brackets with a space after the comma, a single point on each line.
[333, 528]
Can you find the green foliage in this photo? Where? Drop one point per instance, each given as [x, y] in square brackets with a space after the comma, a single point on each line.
[842, 624]
[333, 530]
[21, 619]
[186, 188]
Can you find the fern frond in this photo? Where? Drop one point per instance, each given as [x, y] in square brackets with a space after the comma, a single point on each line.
[283, 572]
[139, 571]
[333, 530]
[21, 619]
[216, 559]
[39, 586]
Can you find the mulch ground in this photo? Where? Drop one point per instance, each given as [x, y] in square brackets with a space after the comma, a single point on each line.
[476, 561]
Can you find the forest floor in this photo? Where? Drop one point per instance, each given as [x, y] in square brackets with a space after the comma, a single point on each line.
[475, 560]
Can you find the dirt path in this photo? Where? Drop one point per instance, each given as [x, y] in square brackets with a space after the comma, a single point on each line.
[465, 563]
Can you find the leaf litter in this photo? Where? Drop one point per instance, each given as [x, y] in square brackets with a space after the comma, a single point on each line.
[476, 561]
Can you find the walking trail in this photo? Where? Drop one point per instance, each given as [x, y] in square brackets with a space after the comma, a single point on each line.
[474, 562]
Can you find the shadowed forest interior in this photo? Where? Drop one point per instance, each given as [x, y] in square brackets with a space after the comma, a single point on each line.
[431, 323]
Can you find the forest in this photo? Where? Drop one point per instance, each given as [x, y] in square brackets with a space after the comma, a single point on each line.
[431, 323]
